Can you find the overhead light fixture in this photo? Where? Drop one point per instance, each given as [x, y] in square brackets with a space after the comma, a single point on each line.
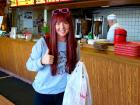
[105, 6]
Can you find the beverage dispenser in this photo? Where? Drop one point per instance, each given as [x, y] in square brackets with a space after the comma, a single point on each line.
[98, 26]
[86, 24]
[78, 33]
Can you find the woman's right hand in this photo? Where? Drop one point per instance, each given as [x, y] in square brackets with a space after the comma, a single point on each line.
[47, 59]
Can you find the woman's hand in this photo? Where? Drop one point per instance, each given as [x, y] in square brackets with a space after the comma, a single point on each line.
[47, 59]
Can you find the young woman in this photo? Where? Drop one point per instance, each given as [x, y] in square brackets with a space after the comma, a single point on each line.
[53, 59]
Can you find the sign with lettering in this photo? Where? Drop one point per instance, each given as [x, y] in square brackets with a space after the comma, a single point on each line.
[32, 2]
[25, 2]
[40, 1]
[13, 3]
[49, 1]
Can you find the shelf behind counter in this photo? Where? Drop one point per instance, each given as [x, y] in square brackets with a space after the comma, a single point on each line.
[114, 79]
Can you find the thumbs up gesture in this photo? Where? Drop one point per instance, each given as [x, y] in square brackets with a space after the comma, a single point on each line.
[47, 59]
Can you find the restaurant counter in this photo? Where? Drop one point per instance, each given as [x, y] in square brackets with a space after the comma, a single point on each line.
[13, 56]
[114, 79]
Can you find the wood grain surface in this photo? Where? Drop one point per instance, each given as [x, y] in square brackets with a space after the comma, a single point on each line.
[114, 79]
[4, 101]
[14, 55]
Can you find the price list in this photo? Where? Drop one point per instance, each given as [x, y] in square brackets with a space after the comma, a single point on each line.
[25, 2]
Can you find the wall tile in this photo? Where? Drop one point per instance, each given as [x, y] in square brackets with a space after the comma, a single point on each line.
[128, 17]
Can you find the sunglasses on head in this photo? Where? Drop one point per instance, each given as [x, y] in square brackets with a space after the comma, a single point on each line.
[63, 10]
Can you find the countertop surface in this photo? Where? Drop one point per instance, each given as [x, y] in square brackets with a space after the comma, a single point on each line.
[109, 54]
[90, 50]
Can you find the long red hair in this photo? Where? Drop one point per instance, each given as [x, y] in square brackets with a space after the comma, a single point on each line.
[71, 43]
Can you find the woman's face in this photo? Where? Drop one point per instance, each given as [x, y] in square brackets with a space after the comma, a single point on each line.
[62, 29]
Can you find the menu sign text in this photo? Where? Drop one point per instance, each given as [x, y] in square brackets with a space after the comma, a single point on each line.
[32, 2]
[25, 2]
[13, 3]
[40, 1]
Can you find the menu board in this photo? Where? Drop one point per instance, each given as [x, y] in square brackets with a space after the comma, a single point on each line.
[13, 3]
[66, 0]
[25, 2]
[32, 2]
[40, 1]
[49, 1]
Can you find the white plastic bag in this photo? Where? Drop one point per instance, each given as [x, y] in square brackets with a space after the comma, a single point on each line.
[78, 90]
